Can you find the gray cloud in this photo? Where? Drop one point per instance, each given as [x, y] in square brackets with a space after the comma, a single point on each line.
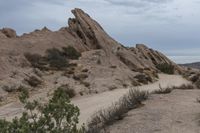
[170, 26]
[137, 3]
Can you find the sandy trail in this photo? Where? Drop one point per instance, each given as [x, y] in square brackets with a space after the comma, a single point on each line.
[177, 112]
[90, 104]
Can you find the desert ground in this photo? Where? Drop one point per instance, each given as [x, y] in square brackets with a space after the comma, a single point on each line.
[177, 112]
[90, 104]
[83, 60]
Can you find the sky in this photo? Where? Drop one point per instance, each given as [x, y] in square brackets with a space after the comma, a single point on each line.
[170, 26]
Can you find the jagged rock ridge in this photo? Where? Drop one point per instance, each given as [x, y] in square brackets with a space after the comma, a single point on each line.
[109, 63]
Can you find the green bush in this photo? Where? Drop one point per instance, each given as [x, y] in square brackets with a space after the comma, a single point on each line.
[166, 68]
[69, 91]
[70, 52]
[36, 60]
[56, 59]
[57, 116]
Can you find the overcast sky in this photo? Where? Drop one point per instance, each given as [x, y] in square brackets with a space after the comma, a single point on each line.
[171, 26]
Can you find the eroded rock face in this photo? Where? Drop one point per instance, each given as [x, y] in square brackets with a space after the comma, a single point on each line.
[10, 33]
[107, 61]
[93, 35]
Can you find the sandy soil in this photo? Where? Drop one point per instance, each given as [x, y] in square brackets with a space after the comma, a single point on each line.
[90, 104]
[177, 112]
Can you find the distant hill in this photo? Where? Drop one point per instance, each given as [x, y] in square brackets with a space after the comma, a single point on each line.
[192, 65]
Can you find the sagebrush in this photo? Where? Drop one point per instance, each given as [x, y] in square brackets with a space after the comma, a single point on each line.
[57, 116]
[117, 111]
[166, 68]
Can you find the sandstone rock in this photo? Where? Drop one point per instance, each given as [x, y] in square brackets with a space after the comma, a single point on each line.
[99, 53]
[10, 33]
[2, 35]
[93, 35]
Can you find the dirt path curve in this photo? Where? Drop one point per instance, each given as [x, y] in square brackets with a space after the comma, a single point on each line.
[177, 112]
[90, 104]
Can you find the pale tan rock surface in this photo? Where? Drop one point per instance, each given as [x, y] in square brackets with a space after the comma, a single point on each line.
[10, 33]
[109, 63]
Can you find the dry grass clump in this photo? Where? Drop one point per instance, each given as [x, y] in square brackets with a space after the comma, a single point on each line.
[69, 91]
[166, 68]
[86, 84]
[163, 90]
[112, 87]
[198, 100]
[143, 78]
[54, 58]
[117, 111]
[80, 77]
[33, 81]
[185, 87]
[170, 89]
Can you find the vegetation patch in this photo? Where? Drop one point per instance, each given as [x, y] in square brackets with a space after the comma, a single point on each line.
[163, 90]
[54, 58]
[112, 87]
[33, 81]
[166, 68]
[185, 87]
[36, 60]
[80, 77]
[170, 89]
[68, 90]
[70, 52]
[86, 84]
[142, 78]
[57, 116]
[117, 111]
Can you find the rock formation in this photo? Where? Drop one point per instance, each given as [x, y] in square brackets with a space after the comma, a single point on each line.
[10, 33]
[104, 62]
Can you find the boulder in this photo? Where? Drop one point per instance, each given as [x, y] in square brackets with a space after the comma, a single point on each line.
[8, 32]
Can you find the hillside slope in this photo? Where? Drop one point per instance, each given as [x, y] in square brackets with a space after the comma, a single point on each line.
[104, 64]
[192, 65]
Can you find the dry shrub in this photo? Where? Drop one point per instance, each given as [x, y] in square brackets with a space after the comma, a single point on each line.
[134, 82]
[163, 90]
[56, 59]
[142, 78]
[80, 77]
[166, 68]
[70, 52]
[33, 81]
[117, 111]
[9, 89]
[198, 100]
[36, 60]
[86, 84]
[170, 89]
[85, 70]
[113, 67]
[113, 87]
[70, 91]
[185, 87]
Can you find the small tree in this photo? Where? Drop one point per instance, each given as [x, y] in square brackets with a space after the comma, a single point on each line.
[57, 116]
